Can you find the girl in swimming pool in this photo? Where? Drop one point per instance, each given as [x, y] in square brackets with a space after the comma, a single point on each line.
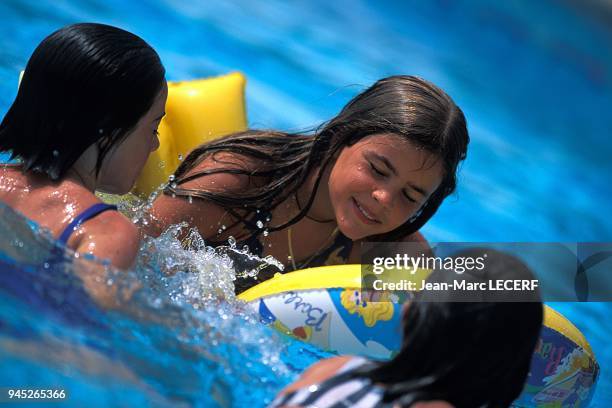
[378, 171]
[85, 119]
[454, 353]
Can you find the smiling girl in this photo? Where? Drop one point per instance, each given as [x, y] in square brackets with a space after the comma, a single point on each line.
[378, 171]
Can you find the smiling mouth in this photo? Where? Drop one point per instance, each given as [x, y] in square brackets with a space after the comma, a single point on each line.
[362, 211]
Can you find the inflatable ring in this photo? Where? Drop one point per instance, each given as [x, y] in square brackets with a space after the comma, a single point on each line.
[324, 307]
[196, 111]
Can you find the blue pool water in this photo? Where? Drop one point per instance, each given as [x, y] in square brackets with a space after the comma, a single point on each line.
[535, 83]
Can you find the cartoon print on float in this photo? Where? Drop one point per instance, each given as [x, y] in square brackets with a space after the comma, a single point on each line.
[297, 316]
[320, 318]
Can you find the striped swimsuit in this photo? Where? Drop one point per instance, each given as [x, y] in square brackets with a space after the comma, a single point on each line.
[340, 391]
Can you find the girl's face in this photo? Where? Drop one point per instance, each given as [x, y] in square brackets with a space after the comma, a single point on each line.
[378, 183]
[123, 164]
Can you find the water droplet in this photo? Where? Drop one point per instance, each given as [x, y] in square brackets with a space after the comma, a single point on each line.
[190, 199]
[223, 227]
[55, 153]
[173, 195]
[268, 218]
[100, 131]
[46, 265]
[260, 224]
[180, 157]
[232, 242]
[173, 185]
[171, 178]
[266, 233]
[219, 231]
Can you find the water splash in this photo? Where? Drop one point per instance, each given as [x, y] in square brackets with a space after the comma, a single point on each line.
[175, 335]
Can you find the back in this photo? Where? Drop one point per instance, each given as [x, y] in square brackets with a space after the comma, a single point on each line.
[54, 205]
[341, 389]
[51, 205]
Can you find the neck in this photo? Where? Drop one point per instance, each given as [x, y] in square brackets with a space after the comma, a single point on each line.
[82, 179]
[83, 171]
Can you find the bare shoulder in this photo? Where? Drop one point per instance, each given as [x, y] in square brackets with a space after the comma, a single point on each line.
[197, 211]
[318, 372]
[111, 236]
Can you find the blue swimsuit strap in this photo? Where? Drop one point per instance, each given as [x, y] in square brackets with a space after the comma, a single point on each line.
[82, 217]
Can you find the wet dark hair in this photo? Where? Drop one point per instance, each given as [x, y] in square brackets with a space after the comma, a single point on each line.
[470, 354]
[84, 84]
[406, 106]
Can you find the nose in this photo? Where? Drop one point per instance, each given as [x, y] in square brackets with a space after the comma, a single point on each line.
[383, 196]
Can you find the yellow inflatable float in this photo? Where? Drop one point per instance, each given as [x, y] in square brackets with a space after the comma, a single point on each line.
[324, 306]
[196, 111]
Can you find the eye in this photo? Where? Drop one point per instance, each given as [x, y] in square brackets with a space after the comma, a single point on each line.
[375, 170]
[412, 200]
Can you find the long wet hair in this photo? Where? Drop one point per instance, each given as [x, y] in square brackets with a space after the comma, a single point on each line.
[406, 106]
[84, 84]
[470, 354]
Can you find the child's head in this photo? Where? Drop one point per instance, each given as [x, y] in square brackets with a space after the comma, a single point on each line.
[399, 143]
[475, 353]
[84, 84]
